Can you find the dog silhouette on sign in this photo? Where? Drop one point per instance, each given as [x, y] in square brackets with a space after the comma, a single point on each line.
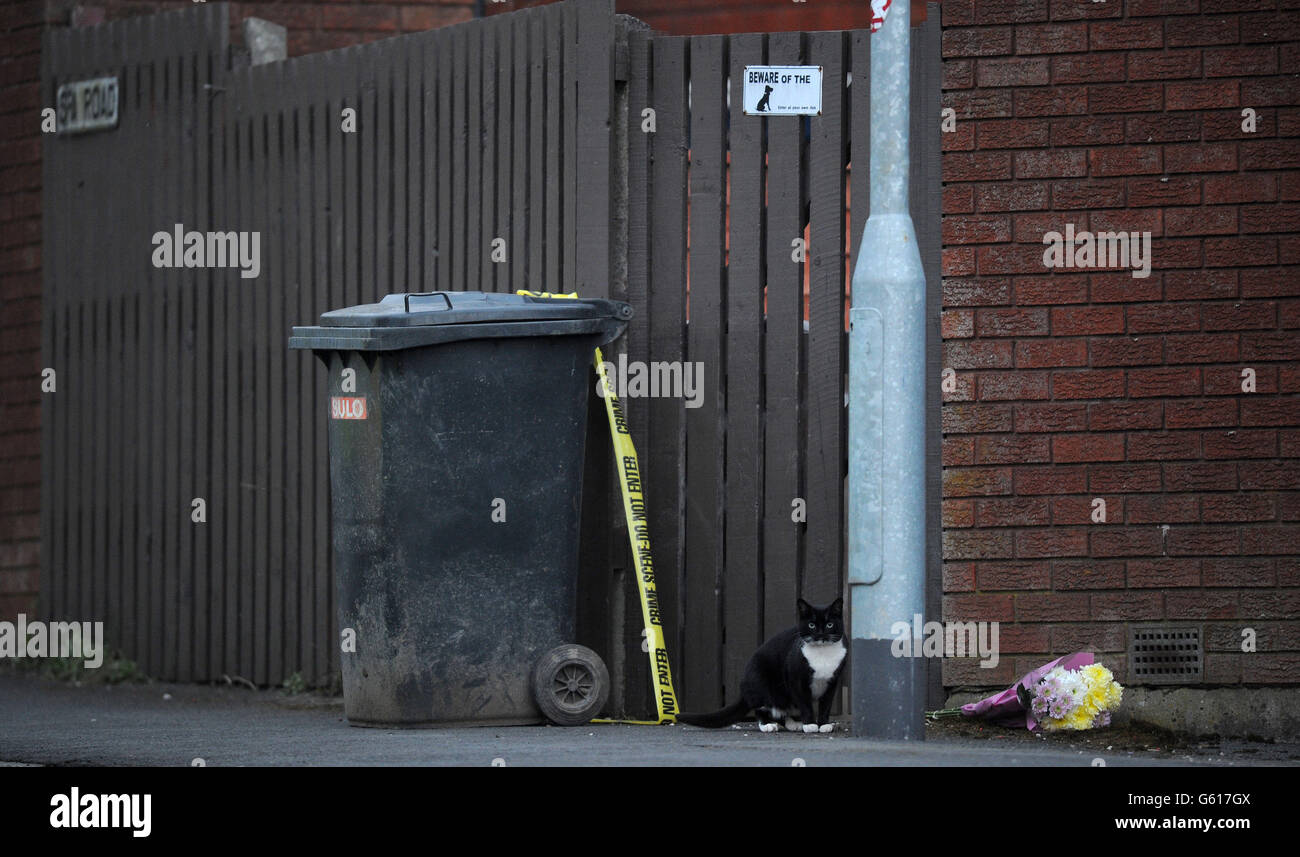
[762, 102]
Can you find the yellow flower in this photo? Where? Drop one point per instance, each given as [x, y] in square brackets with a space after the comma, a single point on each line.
[1081, 717]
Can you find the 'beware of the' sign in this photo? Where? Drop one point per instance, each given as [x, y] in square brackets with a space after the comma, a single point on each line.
[783, 90]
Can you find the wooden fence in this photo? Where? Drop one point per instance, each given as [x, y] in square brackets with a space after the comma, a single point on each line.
[499, 154]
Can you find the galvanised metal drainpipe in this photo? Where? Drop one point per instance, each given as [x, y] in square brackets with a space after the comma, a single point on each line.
[886, 508]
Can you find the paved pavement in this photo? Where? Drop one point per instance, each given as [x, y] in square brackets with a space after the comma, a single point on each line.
[53, 723]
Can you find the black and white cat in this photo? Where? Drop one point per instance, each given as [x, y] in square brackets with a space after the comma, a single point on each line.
[792, 678]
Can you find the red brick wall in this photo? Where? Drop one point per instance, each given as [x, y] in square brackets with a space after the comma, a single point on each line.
[20, 304]
[1073, 384]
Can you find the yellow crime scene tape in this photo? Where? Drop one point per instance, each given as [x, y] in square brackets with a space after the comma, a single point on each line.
[638, 533]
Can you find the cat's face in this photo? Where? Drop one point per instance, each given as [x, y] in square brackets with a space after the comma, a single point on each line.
[821, 626]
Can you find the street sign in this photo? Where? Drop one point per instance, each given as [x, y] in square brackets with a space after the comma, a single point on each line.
[87, 105]
[783, 90]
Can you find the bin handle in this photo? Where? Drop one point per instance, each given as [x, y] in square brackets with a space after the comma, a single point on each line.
[410, 295]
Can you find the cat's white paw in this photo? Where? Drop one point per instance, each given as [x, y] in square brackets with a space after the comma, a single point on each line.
[810, 727]
[791, 724]
[768, 727]
[828, 727]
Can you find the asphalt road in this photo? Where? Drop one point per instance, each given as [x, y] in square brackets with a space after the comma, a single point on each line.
[45, 722]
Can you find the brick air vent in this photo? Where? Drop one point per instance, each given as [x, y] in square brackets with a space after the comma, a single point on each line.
[1165, 654]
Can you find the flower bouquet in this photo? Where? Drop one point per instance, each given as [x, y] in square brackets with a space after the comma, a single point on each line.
[1072, 692]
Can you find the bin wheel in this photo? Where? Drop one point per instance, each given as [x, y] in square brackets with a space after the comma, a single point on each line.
[570, 684]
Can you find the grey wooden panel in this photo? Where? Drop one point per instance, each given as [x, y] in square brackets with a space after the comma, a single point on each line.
[380, 229]
[285, 621]
[115, 232]
[395, 178]
[273, 280]
[512, 163]
[249, 207]
[415, 240]
[189, 473]
[341, 91]
[162, 287]
[536, 134]
[236, 158]
[368, 126]
[665, 459]
[742, 575]
[702, 655]
[266, 191]
[493, 74]
[476, 244]
[553, 223]
[823, 569]
[638, 696]
[460, 160]
[424, 215]
[447, 150]
[568, 234]
[428, 215]
[782, 353]
[212, 608]
[593, 219]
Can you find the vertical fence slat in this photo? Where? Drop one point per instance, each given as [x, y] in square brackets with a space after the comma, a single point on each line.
[262, 483]
[432, 160]
[782, 356]
[236, 156]
[118, 233]
[826, 351]
[340, 91]
[702, 658]
[318, 250]
[742, 584]
[381, 229]
[513, 174]
[494, 82]
[293, 279]
[189, 475]
[98, 212]
[249, 206]
[396, 236]
[213, 598]
[476, 245]
[448, 150]
[160, 282]
[203, 346]
[637, 697]
[666, 317]
[567, 232]
[459, 166]
[416, 230]
[553, 223]
[592, 226]
[536, 138]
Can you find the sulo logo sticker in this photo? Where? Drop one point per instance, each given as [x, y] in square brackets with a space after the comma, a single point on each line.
[347, 407]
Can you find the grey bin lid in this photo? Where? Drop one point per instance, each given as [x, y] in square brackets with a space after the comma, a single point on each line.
[413, 319]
